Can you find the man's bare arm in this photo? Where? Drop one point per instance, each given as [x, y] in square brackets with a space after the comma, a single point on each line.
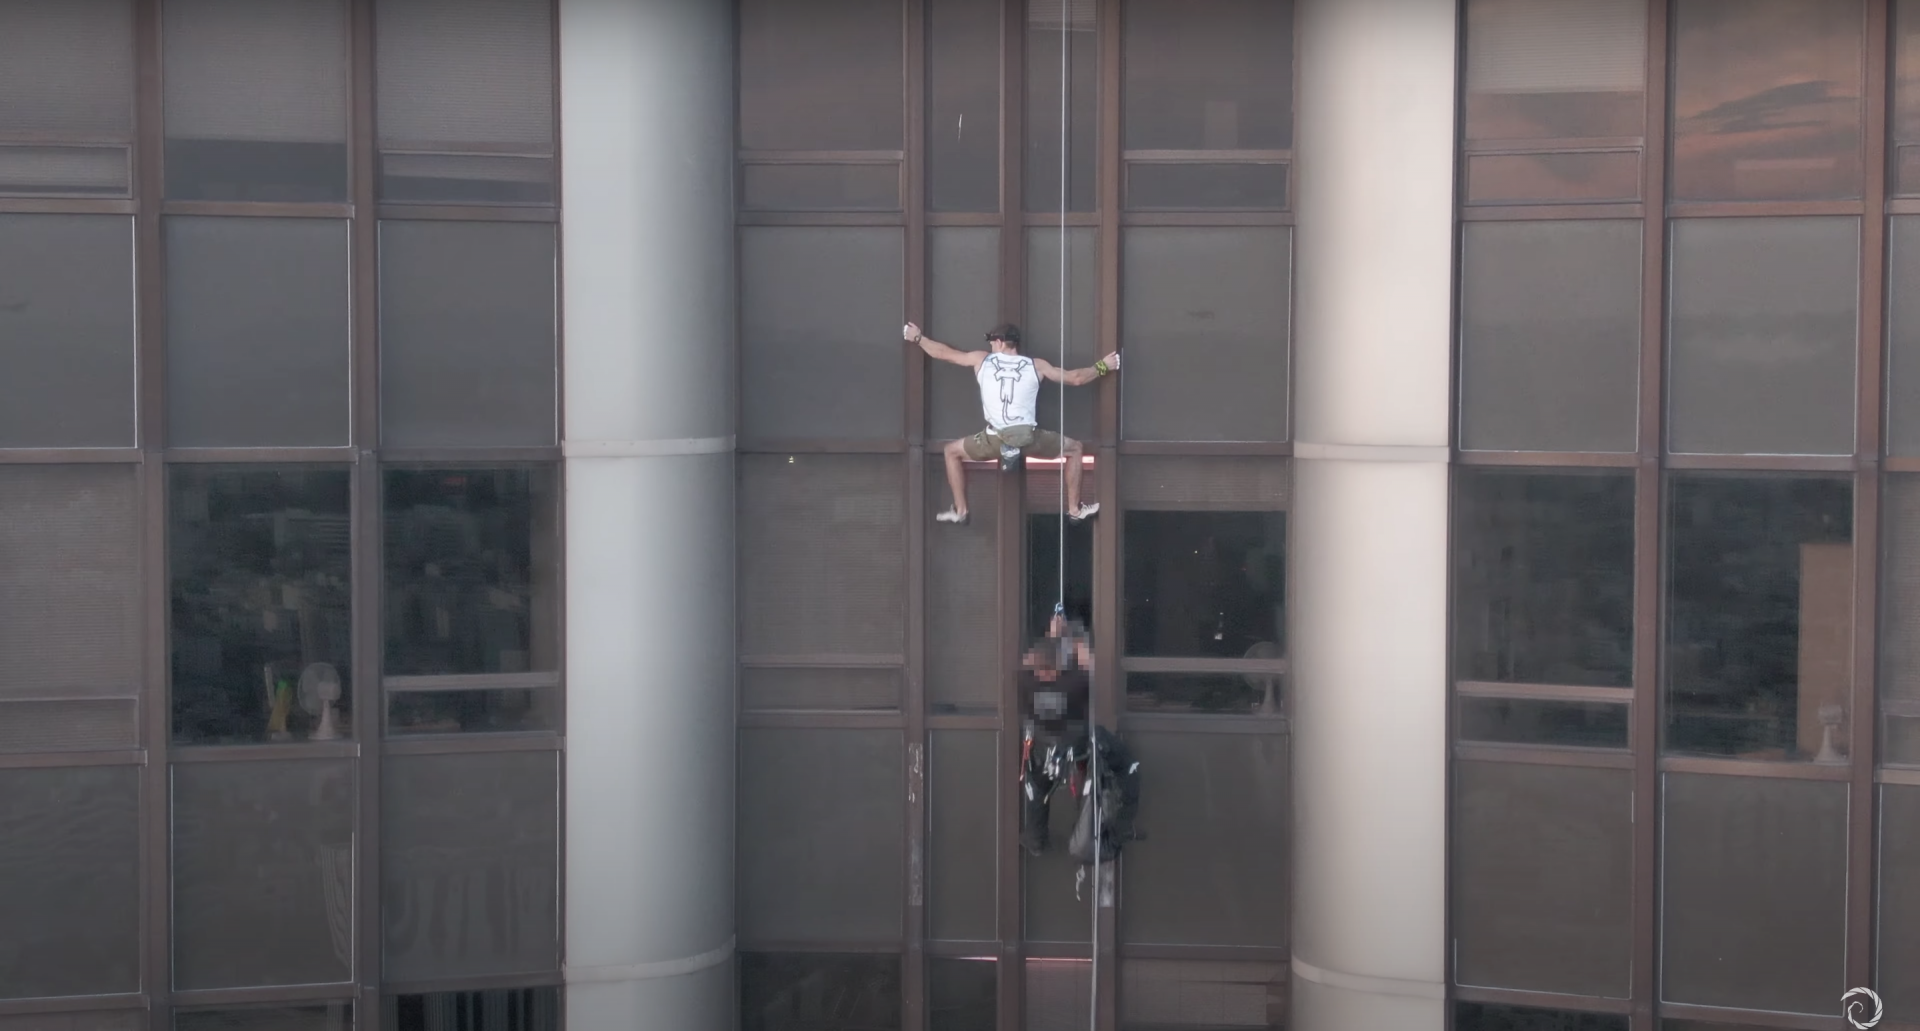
[1077, 377]
[939, 351]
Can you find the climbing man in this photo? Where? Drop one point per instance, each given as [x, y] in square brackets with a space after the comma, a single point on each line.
[1009, 390]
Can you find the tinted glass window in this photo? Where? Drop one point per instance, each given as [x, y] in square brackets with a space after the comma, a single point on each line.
[70, 857]
[66, 97]
[508, 1009]
[963, 302]
[261, 635]
[66, 329]
[1057, 34]
[964, 774]
[803, 991]
[963, 105]
[826, 75]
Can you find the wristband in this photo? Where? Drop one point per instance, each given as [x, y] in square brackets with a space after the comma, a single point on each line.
[1100, 367]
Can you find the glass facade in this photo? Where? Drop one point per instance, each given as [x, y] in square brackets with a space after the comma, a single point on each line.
[280, 670]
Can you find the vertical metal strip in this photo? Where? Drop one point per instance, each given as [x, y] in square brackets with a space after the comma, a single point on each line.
[1108, 687]
[1010, 528]
[559, 518]
[369, 699]
[1645, 731]
[151, 427]
[1862, 814]
[914, 973]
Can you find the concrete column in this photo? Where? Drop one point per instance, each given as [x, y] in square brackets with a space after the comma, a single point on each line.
[647, 131]
[1368, 604]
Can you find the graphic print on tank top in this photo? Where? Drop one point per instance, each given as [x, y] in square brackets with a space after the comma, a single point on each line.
[1009, 390]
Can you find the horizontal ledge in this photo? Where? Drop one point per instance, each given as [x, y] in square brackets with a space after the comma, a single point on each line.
[1208, 157]
[72, 1004]
[1438, 454]
[42, 204]
[206, 997]
[1166, 665]
[659, 448]
[1207, 449]
[652, 971]
[824, 661]
[1368, 984]
[1544, 755]
[474, 742]
[1207, 217]
[1764, 463]
[1243, 723]
[1751, 1018]
[820, 157]
[1529, 211]
[1543, 692]
[1750, 768]
[1216, 953]
[1554, 144]
[256, 209]
[490, 982]
[69, 455]
[1762, 209]
[748, 218]
[1551, 459]
[244, 455]
[57, 760]
[822, 719]
[1898, 775]
[468, 457]
[468, 213]
[254, 753]
[471, 682]
[1542, 1000]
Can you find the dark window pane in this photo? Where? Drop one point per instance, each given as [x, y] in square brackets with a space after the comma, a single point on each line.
[1543, 878]
[506, 1009]
[962, 994]
[963, 302]
[66, 330]
[822, 835]
[963, 583]
[820, 187]
[965, 776]
[66, 97]
[1754, 899]
[823, 75]
[256, 99]
[1216, 75]
[1585, 176]
[1475, 1016]
[1906, 97]
[1046, 275]
[263, 886]
[1192, 995]
[963, 105]
[1218, 693]
[484, 711]
[1546, 76]
[70, 858]
[1203, 320]
[1058, 993]
[820, 316]
[1215, 870]
[1204, 584]
[1543, 577]
[772, 688]
[1899, 926]
[1903, 335]
[1058, 31]
[1899, 634]
[467, 334]
[1761, 338]
[322, 1016]
[818, 527]
[1529, 721]
[1766, 99]
[99, 1020]
[815, 991]
[260, 590]
[69, 585]
[1049, 580]
[469, 865]
[1194, 185]
[1549, 336]
[1759, 616]
[257, 332]
[472, 564]
[465, 94]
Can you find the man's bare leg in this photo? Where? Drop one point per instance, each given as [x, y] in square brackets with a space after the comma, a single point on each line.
[957, 475]
[1070, 452]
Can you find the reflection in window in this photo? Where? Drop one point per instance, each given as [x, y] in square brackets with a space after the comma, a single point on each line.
[259, 568]
[471, 566]
[1555, 99]
[1767, 99]
[1759, 616]
[1543, 577]
[509, 1009]
[802, 991]
[962, 994]
[1203, 584]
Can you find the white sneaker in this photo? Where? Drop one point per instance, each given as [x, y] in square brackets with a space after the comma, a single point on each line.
[1084, 512]
[951, 516]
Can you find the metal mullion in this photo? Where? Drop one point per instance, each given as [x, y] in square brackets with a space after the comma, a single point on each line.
[1763, 463]
[67, 206]
[1544, 755]
[913, 974]
[72, 1004]
[1550, 459]
[1010, 526]
[1862, 813]
[470, 457]
[1709, 766]
[494, 982]
[1206, 217]
[466, 212]
[1646, 711]
[262, 455]
[820, 218]
[1108, 684]
[63, 760]
[290, 751]
[1556, 212]
[71, 456]
[1542, 1000]
[255, 209]
[471, 744]
[208, 998]
[1749, 1018]
[1763, 209]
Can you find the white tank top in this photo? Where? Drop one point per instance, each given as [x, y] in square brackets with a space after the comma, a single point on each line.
[1009, 388]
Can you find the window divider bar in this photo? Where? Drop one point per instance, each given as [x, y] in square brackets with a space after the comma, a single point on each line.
[1543, 692]
[1489, 212]
[61, 760]
[1143, 664]
[403, 212]
[1752, 1018]
[472, 744]
[1544, 755]
[70, 455]
[302, 993]
[73, 1004]
[255, 209]
[1542, 1000]
[913, 974]
[1764, 208]
[1549, 459]
[38, 205]
[489, 983]
[1746, 768]
[268, 752]
[1110, 685]
[470, 682]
